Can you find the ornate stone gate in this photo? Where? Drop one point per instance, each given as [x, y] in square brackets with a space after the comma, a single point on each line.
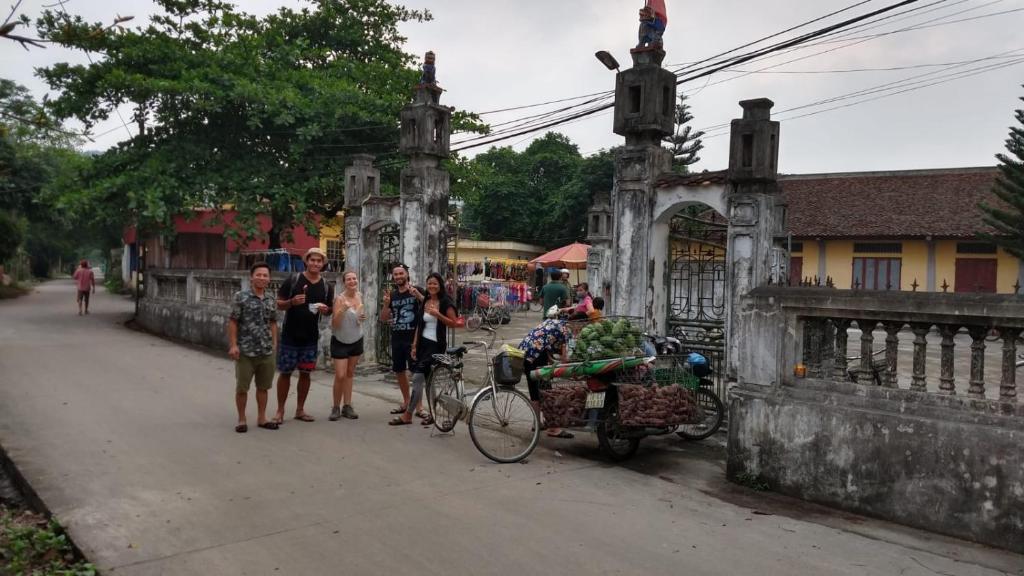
[691, 290]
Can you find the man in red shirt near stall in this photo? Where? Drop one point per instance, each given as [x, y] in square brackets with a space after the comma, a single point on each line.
[85, 281]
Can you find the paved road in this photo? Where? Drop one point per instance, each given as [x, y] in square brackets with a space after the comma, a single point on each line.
[128, 439]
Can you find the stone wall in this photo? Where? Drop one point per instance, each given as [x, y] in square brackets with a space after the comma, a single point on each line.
[945, 463]
[194, 305]
[944, 454]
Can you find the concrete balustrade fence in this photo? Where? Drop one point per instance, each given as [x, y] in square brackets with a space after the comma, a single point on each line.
[909, 409]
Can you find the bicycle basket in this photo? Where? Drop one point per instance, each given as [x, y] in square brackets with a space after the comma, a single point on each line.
[508, 366]
[483, 300]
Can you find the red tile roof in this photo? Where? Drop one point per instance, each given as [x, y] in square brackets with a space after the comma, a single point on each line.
[905, 204]
[699, 179]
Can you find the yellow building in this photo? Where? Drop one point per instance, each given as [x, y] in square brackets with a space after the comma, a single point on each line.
[482, 259]
[903, 230]
[332, 241]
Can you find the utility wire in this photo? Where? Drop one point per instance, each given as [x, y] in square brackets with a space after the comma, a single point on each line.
[697, 74]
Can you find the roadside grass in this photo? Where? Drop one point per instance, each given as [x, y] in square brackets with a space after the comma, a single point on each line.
[31, 545]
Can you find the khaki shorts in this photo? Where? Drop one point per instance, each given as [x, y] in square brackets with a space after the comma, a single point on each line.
[246, 367]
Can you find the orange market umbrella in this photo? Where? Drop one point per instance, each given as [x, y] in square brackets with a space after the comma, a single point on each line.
[573, 256]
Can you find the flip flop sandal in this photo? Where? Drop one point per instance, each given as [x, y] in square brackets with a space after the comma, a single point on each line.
[268, 425]
[399, 410]
[398, 422]
[422, 414]
[562, 434]
[305, 418]
[428, 421]
[241, 428]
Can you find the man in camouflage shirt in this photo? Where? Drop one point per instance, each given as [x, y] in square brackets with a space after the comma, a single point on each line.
[252, 337]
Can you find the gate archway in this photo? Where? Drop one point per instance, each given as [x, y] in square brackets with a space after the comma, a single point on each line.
[698, 294]
[389, 254]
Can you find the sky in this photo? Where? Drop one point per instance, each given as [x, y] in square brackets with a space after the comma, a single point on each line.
[497, 54]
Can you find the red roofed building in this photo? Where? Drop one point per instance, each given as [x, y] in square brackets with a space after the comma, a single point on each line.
[897, 230]
[201, 243]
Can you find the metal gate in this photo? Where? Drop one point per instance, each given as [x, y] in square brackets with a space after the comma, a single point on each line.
[697, 289]
[388, 256]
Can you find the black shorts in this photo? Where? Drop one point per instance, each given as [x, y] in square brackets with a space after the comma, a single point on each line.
[340, 350]
[533, 385]
[425, 356]
[400, 359]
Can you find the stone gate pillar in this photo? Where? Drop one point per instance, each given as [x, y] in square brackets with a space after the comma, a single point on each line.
[362, 180]
[644, 114]
[425, 137]
[599, 236]
[753, 220]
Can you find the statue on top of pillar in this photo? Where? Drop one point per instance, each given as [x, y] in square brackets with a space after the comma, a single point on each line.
[653, 20]
[428, 78]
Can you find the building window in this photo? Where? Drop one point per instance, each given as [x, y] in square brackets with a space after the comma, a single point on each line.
[878, 247]
[796, 248]
[975, 248]
[334, 257]
[877, 273]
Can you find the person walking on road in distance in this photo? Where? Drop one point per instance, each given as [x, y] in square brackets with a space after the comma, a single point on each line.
[435, 317]
[304, 297]
[85, 281]
[554, 293]
[346, 344]
[400, 307]
[252, 338]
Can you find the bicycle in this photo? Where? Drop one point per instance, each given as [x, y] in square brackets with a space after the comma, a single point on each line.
[503, 424]
[486, 314]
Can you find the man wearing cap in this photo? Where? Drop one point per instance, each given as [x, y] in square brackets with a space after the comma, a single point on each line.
[304, 297]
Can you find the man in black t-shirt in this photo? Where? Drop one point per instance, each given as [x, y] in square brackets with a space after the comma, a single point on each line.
[305, 297]
[399, 309]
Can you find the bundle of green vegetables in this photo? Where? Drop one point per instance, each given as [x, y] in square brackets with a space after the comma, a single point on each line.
[607, 339]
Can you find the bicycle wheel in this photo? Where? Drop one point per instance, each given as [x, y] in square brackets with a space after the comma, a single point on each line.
[714, 413]
[503, 425]
[443, 398]
[611, 439]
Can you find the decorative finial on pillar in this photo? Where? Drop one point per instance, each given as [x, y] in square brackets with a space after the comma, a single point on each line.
[429, 71]
[427, 91]
[945, 285]
[653, 21]
[1016, 287]
[914, 286]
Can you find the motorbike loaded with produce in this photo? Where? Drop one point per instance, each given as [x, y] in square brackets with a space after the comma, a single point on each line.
[611, 387]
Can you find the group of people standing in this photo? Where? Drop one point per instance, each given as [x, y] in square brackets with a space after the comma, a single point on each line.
[420, 318]
[253, 338]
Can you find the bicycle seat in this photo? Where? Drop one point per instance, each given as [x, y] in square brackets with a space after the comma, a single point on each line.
[456, 351]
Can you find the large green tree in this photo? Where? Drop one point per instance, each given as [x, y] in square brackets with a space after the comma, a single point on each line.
[258, 113]
[38, 163]
[1008, 219]
[540, 195]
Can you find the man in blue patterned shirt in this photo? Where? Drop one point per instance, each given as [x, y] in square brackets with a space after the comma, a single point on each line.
[252, 338]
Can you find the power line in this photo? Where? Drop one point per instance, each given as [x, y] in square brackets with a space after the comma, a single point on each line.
[698, 73]
[889, 89]
[858, 41]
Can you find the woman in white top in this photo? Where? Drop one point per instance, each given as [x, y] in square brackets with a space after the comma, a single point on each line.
[433, 320]
[346, 343]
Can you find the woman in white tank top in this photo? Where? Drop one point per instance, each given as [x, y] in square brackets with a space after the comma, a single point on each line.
[346, 344]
